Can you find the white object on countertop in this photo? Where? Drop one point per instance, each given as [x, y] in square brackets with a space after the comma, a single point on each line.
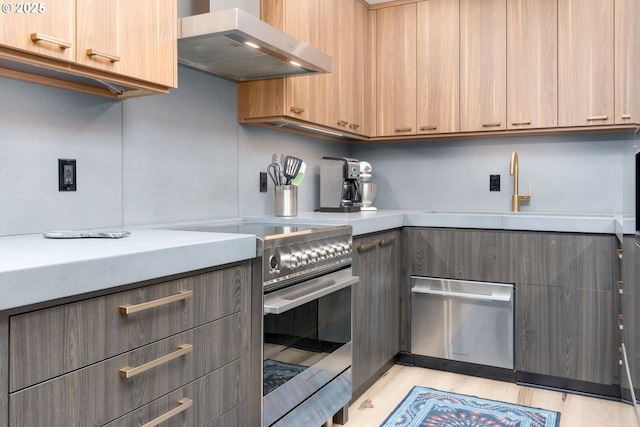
[365, 172]
[86, 234]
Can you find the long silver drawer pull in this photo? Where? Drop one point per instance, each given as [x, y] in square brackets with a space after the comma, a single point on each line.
[129, 309]
[183, 405]
[110, 57]
[405, 129]
[129, 372]
[626, 116]
[593, 118]
[491, 124]
[521, 122]
[429, 127]
[62, 44]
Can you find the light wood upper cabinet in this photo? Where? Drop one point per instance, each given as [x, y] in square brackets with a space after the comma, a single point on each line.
[627, 61]
[132, 38]
[396, 70]
[131, 45]
[483, 65]
[460, 67]
[148, 34]
[438, 66]
[322, 93]
[585, 62]
[298, 23]
[532, 64]
[353, 91]
[295, 97]
[98, 34]
[53, 22]
[336, 100]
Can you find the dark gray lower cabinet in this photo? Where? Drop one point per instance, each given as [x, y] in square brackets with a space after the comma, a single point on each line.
[566, 333]
[566, 323]
[630, 306]
[187, 337]
[565, 310]
[459, 254]
[376, 307]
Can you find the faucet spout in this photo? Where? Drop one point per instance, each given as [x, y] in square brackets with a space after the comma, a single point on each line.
[514, 170]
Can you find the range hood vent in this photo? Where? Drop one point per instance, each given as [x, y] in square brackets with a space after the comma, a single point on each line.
[237, 46]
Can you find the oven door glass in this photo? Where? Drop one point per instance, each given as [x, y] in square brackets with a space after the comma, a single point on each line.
[307, 339]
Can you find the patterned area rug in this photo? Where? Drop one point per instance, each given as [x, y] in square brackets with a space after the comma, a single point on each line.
[275, 373]
[426, 407]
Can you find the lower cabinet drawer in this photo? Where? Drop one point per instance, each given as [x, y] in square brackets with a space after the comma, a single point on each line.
[47, 343]
[216, 396]
[234, 418]
[99, 393]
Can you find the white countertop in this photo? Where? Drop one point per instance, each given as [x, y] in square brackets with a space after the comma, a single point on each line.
[35, 269]
[372, 221]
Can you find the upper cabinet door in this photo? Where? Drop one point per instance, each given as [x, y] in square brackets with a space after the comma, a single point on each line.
[396, 70]
[362, 87]
[148, 40]
[45, 28]
[98, 38]
[438, 65]
[532, 64]
[483, 65]
[351, 69]
[132, 38]
[301, 20]
[627, 61]
[585, 62]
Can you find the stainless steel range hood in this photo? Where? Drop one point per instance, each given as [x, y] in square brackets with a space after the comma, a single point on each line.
[238, 46]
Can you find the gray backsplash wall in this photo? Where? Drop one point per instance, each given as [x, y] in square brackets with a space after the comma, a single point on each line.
[568, 173]
[183, 157]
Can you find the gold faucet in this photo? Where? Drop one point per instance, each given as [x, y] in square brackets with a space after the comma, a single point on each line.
[516, 198]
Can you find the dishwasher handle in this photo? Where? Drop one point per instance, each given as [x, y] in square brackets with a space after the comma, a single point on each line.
[498, 292]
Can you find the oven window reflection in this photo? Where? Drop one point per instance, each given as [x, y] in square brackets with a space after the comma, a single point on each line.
[303, 336]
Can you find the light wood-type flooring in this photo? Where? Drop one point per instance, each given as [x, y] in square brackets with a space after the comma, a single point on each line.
[372, 408]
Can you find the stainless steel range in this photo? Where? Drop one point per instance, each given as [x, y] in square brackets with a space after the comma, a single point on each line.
[301, 326]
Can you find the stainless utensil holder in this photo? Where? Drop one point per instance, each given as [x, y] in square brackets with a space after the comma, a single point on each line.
[286, 200]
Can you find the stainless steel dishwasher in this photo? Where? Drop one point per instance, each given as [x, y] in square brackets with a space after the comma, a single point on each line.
[462, 320]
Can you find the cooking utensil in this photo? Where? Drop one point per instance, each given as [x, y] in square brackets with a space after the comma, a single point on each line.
[300, 176]
[275, 173]
[291, 167]
[279, 160]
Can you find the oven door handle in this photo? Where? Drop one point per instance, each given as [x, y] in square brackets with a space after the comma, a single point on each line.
[280, 301]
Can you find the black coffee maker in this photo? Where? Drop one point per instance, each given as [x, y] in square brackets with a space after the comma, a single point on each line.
[339, 186]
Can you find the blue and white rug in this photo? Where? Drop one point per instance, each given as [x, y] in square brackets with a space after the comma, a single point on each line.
[276, 373]
[426, 407]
